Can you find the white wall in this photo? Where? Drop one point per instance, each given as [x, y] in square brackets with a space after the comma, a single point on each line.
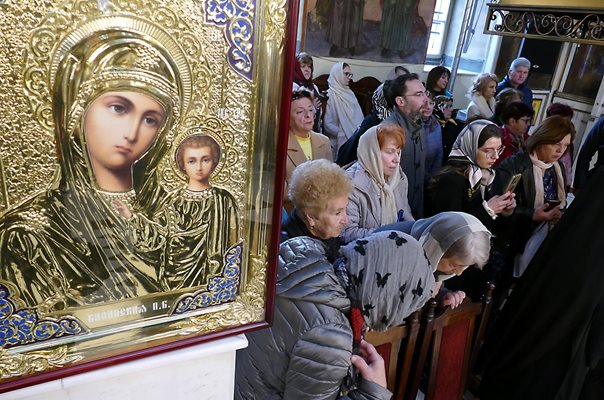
[204, 371]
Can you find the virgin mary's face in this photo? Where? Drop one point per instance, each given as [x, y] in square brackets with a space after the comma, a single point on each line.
[119, 127]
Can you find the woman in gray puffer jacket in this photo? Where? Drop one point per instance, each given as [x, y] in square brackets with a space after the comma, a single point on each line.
[306, 354]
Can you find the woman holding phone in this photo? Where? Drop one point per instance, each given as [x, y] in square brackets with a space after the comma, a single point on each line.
[541, 193]
[465, 184]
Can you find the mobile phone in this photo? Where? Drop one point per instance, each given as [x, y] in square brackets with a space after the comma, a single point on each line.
[551, 204]
[513, 183]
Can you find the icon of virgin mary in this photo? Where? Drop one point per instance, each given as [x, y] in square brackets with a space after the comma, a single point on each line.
[119, 92]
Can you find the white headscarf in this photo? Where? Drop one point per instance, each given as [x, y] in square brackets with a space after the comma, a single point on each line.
[436, 234]
[466, 148]
[370, 159]
[343, 101]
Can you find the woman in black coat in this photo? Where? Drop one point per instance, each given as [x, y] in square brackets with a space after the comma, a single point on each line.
[464, 183]
[543, 183]
[548, 341]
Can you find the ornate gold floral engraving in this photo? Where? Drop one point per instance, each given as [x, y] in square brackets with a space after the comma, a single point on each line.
[276, 14]
[84, 270]
[14, 365]
[248, 308]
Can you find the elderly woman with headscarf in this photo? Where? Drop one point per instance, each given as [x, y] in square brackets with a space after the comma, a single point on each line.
[320, 308]
[465, 184]
[343, 114]
[379, 196]
[453, 241]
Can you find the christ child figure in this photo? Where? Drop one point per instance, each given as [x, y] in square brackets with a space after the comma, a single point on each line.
[189, 237]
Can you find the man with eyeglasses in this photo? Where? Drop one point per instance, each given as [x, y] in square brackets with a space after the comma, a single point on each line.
[408, 97]
[517, 119]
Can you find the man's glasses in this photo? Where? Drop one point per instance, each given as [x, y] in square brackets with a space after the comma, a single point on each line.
[299, 94]
[420, 93]
[493, 153]
[526, 120]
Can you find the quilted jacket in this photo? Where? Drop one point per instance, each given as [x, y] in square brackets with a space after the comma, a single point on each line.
[311, 335]
[306, 353]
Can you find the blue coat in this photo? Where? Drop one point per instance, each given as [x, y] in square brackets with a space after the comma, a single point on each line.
[527, 93]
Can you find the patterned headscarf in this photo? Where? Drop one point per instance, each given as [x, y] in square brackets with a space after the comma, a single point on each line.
[465, 149]
[440, 102]
[391, 275]
[378, 100]
[436, 234]
[380, 105]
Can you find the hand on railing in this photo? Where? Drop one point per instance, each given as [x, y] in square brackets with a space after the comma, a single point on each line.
[453, 299]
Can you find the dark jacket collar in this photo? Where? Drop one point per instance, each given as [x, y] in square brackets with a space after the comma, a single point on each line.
[405, 121]
[295, 227]
[508, 83]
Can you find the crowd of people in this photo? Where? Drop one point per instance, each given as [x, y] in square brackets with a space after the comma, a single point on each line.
[419, 204]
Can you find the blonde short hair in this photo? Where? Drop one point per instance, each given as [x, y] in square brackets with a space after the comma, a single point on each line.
[314, 183]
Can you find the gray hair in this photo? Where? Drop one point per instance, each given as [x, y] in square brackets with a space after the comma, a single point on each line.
[473, 248]
[520, 62]
[440, 232]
